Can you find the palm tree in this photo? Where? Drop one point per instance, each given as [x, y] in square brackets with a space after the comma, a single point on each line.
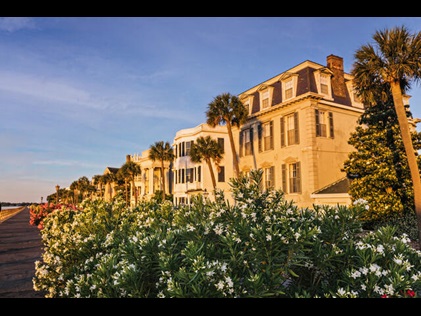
[163, 152]
[396, 62]
[109, 179]
[227, 109]
[207, 149]
[75, 187]
[84, 186]
[98, 181]
[129, 170]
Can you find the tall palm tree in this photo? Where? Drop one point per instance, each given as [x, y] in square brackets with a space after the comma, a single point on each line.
[109, 179]
[84, 186]
[97, 180]
[74, 186]
[395, 61]
[129, 170]
[227, 109]
[207, 149]
[162, 151]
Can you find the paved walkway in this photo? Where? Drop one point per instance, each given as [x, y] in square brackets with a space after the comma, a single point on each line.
[20, 247]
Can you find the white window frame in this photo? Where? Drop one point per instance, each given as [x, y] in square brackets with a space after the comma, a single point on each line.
[289, 81]
[265, 93]
[323, 77]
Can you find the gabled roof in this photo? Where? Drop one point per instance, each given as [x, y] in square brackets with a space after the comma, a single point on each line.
[340, 186]
[111, 169]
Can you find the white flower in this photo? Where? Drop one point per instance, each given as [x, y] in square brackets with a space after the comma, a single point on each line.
[341, 291]
[356, 274]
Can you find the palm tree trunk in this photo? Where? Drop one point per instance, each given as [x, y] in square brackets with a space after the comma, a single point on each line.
[234, 152]
[134, 193]
[127, 193]
[409, 150]
[208, 162]
[163, 180]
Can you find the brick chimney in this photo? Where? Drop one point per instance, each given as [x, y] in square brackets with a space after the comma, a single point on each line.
[127, 158]
[336, 64]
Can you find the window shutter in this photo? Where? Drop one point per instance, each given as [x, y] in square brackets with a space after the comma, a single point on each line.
[272, 176]
[259, 136]
[271, 134]
[298, 177]
[331, 125]
[296, 127]
[282, 132]
[284, 177]
[251, 139]
[241, 143]
[317, 122]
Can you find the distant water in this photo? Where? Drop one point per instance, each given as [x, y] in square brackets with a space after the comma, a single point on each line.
[4, 207]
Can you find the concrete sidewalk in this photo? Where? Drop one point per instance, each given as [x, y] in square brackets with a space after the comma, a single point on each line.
[20, 247]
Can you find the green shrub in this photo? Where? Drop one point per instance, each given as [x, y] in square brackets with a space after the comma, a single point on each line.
[260, 246]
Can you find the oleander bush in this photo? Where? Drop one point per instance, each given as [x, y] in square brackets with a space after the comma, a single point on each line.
[260, 246]
[37, 212]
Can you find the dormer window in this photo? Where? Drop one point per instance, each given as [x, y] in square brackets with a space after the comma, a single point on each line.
[247, 102]
[324, 84]
[265, 99]
[247, 106]
[265, 95]
[323, 81]
[288, 89]
[289, 86]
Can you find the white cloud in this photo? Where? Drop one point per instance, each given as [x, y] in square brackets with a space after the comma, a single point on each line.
[46, 89]
[12, 24]
[66, 163]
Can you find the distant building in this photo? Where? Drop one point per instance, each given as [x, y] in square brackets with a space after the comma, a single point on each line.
[194, 178]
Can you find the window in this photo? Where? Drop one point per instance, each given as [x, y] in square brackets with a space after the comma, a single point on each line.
[221, 174]
[181, 149]
[291, 177]
[269, 177]
[288, 89]
[324, 120]
[184, 148]
[265, 132]
[324, 84]
[289, 127]
[247, 106]
[294, 178]
[246, 142]
[181, 174]
[221, 144]
[265, 99]
[189, 175]
[146, 175]
[188, 147]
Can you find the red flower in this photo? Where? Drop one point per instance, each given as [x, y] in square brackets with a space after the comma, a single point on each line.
[410, 293]
[384, 296]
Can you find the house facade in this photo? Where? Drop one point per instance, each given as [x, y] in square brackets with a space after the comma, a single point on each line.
[192, 178]
[149, 181]
[298, 129]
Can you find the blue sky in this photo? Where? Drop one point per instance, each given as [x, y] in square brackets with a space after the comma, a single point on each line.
[77, 94]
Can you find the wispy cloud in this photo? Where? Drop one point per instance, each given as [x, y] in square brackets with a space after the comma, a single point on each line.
[66, 163]
[47, 89]
[13, 24]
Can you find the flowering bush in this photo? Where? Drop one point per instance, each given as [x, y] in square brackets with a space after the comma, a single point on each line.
[261, 246]
[37, 212]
